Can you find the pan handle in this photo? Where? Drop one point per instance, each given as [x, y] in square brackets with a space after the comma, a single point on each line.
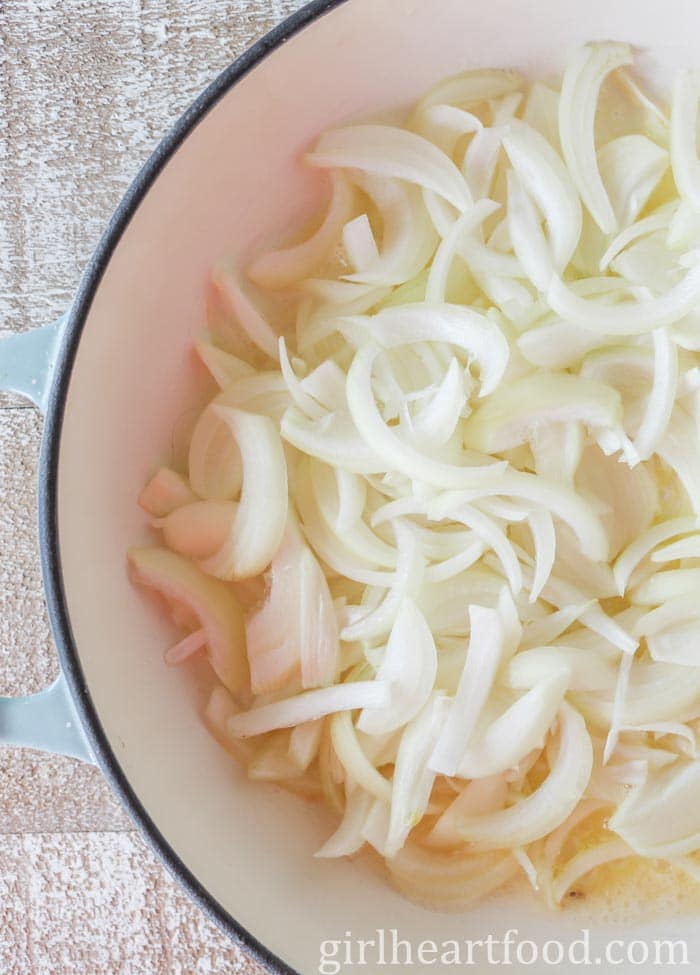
[47, 720]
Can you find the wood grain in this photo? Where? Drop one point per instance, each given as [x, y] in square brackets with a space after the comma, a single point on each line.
[87, 87]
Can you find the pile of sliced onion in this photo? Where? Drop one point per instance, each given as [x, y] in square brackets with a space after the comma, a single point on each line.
[439, 533]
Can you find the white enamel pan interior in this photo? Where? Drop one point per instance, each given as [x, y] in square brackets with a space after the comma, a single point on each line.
[235, 181]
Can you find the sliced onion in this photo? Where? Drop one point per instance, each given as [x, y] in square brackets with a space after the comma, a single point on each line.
[585, 72]
[356, 763]
[388, 151]
[527, 236]
[477, 798]
[630, 168]
[513, 412]
[477, 335]
[281, 268]
[348, 837]
[308, 706]
[209, 601]
[199, 529]
[520, 729]
[638, 549]
[436, 287]
[260, 518]
[166, 492]
[546, 179]
[587, 860]
[660, 818]
[413, 777]
[483, 658]
[408, 239]
[408, 668]
[258, 330]
[383, 442]
[550, 804]
[224, 367]
[629, 317]
[684, 154]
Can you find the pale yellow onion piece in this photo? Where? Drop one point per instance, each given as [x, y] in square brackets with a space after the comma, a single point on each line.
[199, 529]
[186, 648]
[435, 424]
[518, 730]
[450, 881]
[318, 632]
[385, 150]
[545, 177]
[630, 168]
[542, 113]
[528, 239]
[444, 125]
[586, 69]
[307, 404]
[468, 88]
[359, 244]
[212, 602]
[409, 667]
[628, 499]
[406, 581]
[259, 522]
[481, 159]
[348, 838]
[476, 334]
[214, 458]
[307, 706]
[413, 778]
[644, 543]
[273, 629]
[304, 743]
[558, 498]
[557, 451]
[511, 414]
[559, 345]
[224, 367]
[662, 817]
[677, 644]
[656, 692]
[662, 586]
[684, 153]
[334, 440]
[585, 861]
[281, 268]
[438, 275]
[684, 229]
[545, 629]
[627, 317]
[678, 448]
[658, 220]
[397, 453]
[586, 670]
[408, 239]
[550, 804]
[495, 538]
[258, 330]
[684, 548]
[482, 661]
[360, 539]
[165, 492]
[478, 797]
[354, 760]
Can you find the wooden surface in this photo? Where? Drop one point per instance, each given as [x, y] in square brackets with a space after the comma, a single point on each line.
[87, 87]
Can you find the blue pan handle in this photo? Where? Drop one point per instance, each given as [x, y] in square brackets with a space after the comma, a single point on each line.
[47, 720]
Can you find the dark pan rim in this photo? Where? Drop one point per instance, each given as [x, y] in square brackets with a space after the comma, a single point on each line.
[48, 478]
